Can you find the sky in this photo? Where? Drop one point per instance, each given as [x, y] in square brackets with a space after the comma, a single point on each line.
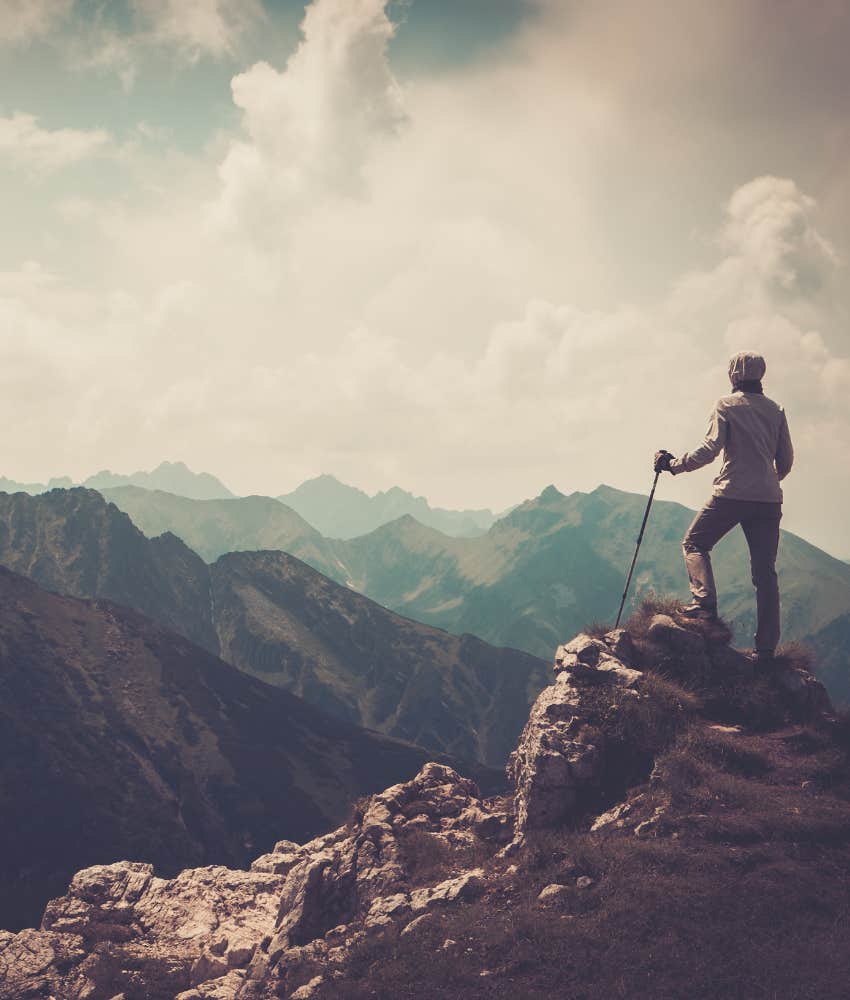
[467, 247]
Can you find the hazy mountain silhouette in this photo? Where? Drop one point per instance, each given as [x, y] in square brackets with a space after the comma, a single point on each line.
[341, 511]
[172, 477]
[57, 483]
[122, 740]
[277, 618]
[214, 527]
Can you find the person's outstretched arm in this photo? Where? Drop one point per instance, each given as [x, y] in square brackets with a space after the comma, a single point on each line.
[710, 448]
[784, 450]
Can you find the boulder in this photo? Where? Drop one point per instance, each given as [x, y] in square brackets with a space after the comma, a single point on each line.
[308, 990]
[664, 631]
[561, 751]
[554, 893]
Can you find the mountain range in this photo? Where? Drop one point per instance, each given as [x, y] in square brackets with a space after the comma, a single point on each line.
[120, 739]
[341, 511]
[173, 477]
[275, 617]
[328, 505]
[542, 571]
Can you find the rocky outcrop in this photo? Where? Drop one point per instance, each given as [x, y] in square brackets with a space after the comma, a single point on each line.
[561, 752]
[286, 927]
[271, 931]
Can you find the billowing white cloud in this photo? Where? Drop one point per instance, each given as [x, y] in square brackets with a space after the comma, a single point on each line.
[312, 126]
[769, 224]
[199, 27]
[23, 142]
[23, 20]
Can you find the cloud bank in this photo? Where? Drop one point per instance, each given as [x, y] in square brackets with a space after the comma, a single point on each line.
[473, 283]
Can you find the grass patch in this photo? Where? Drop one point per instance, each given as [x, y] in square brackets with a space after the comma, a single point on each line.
[661, 921]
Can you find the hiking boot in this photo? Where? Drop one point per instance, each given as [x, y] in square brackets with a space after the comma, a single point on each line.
[701, 612]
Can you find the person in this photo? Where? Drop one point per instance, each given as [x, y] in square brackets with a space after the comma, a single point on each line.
[752, 433]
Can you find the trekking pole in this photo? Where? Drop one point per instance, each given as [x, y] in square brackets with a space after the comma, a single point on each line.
[637, 549]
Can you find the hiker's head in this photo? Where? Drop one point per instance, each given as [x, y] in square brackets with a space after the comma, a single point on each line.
[746, 367]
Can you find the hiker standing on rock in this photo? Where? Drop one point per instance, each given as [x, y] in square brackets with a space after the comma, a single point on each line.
[752, 432]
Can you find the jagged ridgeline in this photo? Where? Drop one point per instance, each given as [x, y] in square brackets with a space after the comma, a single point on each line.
[276, 618]
[540, 572]
[678, 826]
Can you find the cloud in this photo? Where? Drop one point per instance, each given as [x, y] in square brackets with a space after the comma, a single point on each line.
[21, 21]
[768, 222]
[312, 126]
[472, 282]
[23, 142]
[199, 27]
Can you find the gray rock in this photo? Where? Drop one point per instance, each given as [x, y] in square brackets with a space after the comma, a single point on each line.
[663, 631]
[308, 990]
[809, 695]
[554, 893]
[558, 753]
[621, 644]
[615, 817]
[423, 920]
[584, 882]
[463, 888]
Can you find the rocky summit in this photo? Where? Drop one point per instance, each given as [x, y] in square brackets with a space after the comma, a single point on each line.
[679, 826]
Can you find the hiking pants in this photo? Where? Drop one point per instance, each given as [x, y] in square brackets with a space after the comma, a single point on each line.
[760, 522]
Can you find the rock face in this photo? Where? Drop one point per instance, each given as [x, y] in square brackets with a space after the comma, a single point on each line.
[285, 928]
[561, 751]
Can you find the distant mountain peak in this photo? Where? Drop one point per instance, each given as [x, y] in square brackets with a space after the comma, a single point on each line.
[551, 493]
[338, 510]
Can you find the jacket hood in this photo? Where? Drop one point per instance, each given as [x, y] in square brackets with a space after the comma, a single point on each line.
[746, 367]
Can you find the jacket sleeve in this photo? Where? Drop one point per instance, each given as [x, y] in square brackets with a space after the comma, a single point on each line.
[784, 449]
[710, 448]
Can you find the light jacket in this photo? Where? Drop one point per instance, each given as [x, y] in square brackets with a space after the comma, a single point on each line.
[752, 432]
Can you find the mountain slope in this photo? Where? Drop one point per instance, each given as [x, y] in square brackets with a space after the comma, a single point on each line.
[119, 739]
[280, 620]
[213, 527]
[73, 542]
[341, 511]
[558, 561]
[276, 618]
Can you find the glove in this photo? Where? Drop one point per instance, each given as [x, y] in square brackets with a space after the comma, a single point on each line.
[662, 460]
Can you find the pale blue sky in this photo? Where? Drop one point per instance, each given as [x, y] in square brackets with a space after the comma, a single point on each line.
[192, 98]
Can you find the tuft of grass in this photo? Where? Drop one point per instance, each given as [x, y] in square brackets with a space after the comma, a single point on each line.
[429, 858]
[795, 654]
[653, 604]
